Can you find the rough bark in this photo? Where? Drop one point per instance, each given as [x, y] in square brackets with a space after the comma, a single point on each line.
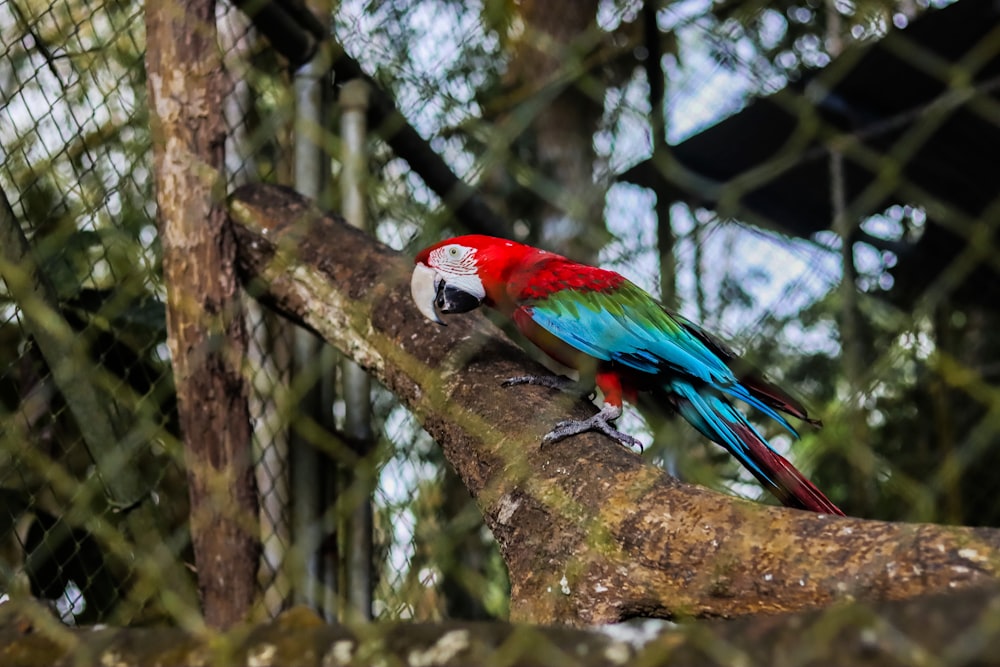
[952, 629]
[205, 330]
[589, 531]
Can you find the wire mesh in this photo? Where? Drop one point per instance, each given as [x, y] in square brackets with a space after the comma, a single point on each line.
[75, 171]
[911, 431]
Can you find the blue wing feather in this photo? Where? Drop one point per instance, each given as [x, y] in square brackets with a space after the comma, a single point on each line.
[640, 335]
[630, 328]
[627, 327]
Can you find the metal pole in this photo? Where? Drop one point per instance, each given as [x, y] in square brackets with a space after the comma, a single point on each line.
[358, 524]
[311, 476]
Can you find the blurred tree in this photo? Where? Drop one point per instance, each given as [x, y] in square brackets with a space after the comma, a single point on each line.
[547, 107]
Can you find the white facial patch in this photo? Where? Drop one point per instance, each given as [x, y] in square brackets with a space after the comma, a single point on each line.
[457, 265]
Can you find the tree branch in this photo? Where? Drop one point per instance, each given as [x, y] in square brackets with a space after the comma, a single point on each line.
[384, 118]
[289, 26]
[589, 531]
[952, 629]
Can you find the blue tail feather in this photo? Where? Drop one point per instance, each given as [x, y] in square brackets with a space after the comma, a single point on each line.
[708, 411]
[715, 418]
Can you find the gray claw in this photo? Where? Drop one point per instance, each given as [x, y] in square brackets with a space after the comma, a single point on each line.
[600, 422]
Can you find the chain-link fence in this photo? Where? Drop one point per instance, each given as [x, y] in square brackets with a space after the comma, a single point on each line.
[81, 257]
[77, 175]
[842, 230]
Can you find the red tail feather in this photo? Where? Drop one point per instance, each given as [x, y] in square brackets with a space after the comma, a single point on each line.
[789, 485]
[775, 396]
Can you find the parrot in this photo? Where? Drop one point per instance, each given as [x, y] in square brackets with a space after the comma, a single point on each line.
[617, 336]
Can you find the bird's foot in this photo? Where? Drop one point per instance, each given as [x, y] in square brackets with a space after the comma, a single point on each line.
[600, 422]
[557, 382]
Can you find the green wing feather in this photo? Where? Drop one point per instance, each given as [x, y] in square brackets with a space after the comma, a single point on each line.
[627, 326]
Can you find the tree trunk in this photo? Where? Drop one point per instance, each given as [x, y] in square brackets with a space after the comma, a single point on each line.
[205, 327]
[589, 532]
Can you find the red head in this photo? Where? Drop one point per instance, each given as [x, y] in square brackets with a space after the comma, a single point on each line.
[457, 275]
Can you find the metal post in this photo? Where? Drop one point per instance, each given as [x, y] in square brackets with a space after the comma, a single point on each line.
[358, 524]
[312, 477]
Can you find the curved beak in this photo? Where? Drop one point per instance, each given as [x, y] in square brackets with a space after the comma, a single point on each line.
[424, 285]
[433, 295]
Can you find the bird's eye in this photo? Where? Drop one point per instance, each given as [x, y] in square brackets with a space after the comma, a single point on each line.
[453, 251]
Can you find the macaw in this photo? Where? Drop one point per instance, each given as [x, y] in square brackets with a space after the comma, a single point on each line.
[619, 337]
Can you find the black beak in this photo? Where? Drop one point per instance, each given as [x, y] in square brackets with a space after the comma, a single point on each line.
[450, 299]
[433, 295]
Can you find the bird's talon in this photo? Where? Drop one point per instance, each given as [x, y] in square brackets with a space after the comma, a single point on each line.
[632, 444]
[600, 422]
[552, 437]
